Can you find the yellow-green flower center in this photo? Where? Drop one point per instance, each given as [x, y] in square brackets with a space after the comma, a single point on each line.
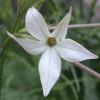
[51, 41]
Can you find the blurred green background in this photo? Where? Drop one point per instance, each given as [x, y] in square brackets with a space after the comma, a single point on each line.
[19, 77]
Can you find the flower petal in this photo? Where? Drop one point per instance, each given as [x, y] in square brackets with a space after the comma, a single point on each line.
[49, 69]
[36, 25]
[61, 29]
[72, 51]
[33, 47]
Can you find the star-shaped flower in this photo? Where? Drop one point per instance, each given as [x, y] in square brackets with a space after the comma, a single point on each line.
[52, 47]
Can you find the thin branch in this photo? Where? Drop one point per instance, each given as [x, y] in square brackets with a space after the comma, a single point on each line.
[85, 68]
[79, 26]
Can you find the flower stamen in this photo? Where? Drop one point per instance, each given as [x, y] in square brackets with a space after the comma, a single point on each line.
[51, 41]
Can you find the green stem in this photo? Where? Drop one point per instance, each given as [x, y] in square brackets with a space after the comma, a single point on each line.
[75, 78]
[4, 48]
[2, 56]
[92, 12]
[1, 72]
[81, 8]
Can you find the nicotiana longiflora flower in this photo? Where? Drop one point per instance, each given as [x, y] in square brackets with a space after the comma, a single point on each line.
[52, 47]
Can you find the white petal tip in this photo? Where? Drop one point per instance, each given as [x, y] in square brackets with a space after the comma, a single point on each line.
[70, 10]
[45, 93]
[8, 33]
[12, 36]
[92, 56]
[46, 90]
[95, 56]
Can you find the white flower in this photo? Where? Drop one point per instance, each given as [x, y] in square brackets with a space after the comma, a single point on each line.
[53, 46]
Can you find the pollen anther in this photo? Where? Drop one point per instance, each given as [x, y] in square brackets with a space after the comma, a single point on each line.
[51, 41]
